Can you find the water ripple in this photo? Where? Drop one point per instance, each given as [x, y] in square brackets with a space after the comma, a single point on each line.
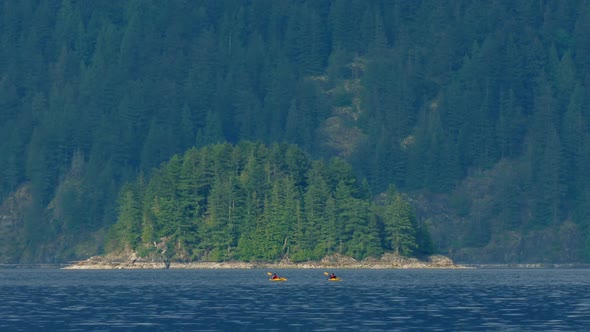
[243, 300]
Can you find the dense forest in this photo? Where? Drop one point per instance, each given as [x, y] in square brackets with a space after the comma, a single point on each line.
[256, 203]
[475, 112]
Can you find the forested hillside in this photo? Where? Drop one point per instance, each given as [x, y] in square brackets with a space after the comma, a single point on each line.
[475, 110]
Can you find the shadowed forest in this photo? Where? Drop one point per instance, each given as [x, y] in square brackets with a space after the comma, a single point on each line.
[258, 130]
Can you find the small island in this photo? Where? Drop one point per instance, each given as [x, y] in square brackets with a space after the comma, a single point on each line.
[265, 207]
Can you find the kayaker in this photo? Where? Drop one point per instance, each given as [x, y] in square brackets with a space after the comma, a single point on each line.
[332, 276]
[275, 276]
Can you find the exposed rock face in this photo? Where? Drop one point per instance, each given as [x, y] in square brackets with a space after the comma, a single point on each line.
[338, 259]
[440, 261]
[129, 260]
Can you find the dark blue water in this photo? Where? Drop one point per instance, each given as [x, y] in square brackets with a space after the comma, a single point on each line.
[244, 300]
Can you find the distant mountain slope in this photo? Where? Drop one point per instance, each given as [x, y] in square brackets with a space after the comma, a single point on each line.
[479, 104]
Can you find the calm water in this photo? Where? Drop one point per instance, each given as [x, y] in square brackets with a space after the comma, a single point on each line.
[244, 300]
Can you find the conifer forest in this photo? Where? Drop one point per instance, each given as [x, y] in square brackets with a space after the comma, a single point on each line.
[269, 129]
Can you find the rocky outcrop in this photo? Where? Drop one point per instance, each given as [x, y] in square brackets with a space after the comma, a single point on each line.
[130, 260]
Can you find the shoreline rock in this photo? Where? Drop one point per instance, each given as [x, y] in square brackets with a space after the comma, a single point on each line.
[336, 261]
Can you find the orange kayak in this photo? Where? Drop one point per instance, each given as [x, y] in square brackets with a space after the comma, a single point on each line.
[278, 279]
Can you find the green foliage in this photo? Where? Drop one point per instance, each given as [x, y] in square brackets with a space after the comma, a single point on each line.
[226, 202]
[341, 97]
[424, 244]
[127, 231]
[446, 90]
[400, 224]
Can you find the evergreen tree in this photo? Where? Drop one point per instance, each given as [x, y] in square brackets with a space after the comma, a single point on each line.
[129, 220]
[400, 224]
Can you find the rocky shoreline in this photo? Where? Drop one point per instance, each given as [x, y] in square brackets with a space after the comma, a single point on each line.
[387, 261]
